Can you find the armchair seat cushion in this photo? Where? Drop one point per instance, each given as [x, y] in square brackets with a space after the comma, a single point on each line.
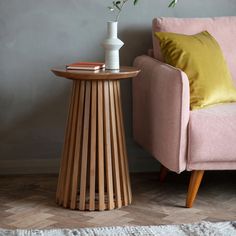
[212, 137]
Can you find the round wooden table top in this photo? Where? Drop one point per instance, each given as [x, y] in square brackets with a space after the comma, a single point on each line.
[123, 73]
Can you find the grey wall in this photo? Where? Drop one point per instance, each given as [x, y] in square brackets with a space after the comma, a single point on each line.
[36, 35]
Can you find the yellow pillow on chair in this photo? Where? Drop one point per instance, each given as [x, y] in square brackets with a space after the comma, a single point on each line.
[201, 58]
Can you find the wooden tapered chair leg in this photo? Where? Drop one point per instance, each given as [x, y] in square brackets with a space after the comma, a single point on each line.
[163, 173]
[195, 181]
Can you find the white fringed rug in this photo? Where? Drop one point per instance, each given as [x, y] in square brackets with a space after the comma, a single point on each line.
[201, 229]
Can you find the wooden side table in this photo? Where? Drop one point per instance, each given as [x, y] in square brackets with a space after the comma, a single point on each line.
[94, 168]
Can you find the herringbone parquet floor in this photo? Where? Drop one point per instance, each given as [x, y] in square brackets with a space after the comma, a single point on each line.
[29, 202]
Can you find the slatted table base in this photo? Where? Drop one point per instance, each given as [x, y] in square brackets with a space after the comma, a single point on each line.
[94, 169]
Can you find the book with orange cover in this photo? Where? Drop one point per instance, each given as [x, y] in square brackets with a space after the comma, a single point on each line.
[86, 66]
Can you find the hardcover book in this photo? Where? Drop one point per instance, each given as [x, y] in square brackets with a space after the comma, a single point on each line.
[86, 66]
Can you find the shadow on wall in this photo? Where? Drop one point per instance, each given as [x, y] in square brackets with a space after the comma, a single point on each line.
[39, 133]
[136, 42]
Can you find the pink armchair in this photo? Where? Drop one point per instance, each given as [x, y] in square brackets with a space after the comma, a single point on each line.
[181, 139]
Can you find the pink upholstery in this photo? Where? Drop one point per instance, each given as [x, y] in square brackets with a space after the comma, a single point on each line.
[212, 137]
[161, 106]
[161, 111]
[222, 28]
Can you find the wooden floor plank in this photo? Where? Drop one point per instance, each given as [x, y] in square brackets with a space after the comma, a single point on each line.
[29, 202]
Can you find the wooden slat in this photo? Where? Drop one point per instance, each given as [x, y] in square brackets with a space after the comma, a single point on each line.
[63, 164]
[109, 178]
[77, 154]
[89, 137]
[93, 150]
[121, 148]
[85, 147]
[71, 148]
[100, 137]
[115, 157]
[124, 143]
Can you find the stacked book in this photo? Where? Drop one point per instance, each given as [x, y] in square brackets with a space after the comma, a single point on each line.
[93, 66]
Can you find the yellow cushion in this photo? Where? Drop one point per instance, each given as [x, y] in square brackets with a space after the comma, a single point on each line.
[201, 58]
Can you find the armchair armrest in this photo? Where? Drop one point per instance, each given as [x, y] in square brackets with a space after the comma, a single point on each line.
[161, 111]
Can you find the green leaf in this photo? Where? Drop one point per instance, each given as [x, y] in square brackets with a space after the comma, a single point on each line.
[116, 4]
[173, 3]
[135, 2]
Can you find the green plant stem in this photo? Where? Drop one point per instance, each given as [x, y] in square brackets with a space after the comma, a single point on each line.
[118, 15]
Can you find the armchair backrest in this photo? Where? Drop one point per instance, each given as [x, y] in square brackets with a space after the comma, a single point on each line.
[223, 29]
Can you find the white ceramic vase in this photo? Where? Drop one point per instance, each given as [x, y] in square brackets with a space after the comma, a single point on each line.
[112, 46]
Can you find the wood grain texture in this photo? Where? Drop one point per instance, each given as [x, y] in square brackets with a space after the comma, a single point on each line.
[101, 171]
[93, 147]
[115, 153]
[195, 181]
[71, 148]
[124, 151]
[63, 164]
[124, 187]
[124, 73]
[107, 145]
[95, 173]
[77, 154]
[28, 202]
[85, 147]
